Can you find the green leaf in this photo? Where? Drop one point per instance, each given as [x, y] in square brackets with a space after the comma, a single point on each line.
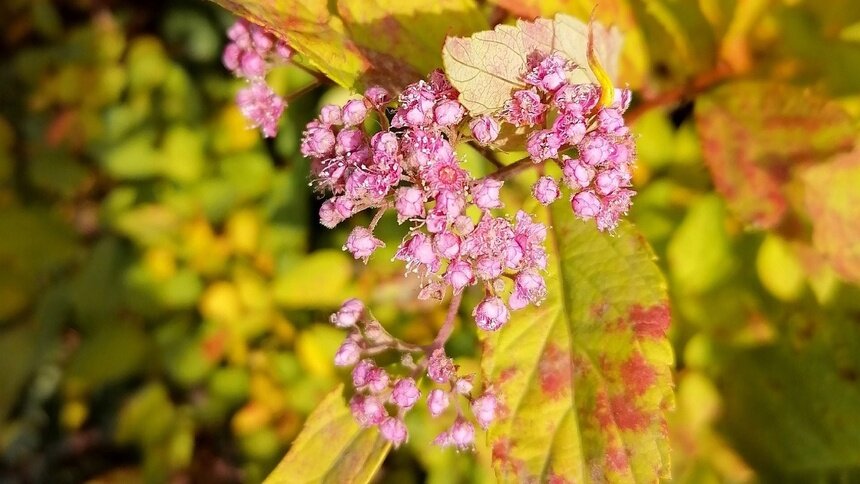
[791, 408]
[331, 448]
[365, 42]
[586, 377]
[487, 66]
[754, 134]
[330, 271]
[833, 203]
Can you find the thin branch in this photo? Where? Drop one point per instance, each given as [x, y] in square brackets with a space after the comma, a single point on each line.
[514, 168]
[695, 86]
[448, 327]
[303, 90]
[487, 153]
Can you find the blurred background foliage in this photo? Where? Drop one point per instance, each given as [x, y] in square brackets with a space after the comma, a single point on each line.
[165, 285]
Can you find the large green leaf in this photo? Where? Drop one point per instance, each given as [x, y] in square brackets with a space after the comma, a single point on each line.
[361, 42]
[487, 66]
[755, 133]
[585, 378]
[332, 448]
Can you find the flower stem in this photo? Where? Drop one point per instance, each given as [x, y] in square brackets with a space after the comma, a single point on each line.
[514, 168]
[448, 327]
[303, 90]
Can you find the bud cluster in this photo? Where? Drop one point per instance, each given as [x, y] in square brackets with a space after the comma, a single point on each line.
[562, 117]
[410, 166]
[384, 396]
[250, 54]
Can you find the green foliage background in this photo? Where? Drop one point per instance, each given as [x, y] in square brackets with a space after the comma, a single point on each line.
[165, 286]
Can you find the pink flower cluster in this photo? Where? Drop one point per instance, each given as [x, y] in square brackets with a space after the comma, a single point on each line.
[410, 166]
[250, 55]
[383, 398]
[568, 117]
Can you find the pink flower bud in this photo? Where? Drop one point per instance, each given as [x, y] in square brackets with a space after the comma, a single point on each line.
[485, 129]
[594, 149]
[447, 244]
[577, 99]
[348, 353]
[569, 128]
[367, 410]
[361, 243]
[405, 393]
[377, 380]
[230, 57]
[462, 434]
[409, 203]
[546, 190]
[586, 205]
[543, 145]
[437, 401]
[459, 275]
[361, 373]
[252, 66]
[577, 174]
[417, 250]
[487, 267]
[349, 314]
[354, 112]
[485, 193]
[609, 181]
[525, 108]
[377, 95]
[450, 203]
[260, 105]
[349, 140]
[394, 431]
[283, 50]
[262, 40]
[318, 142]
[463, 385]
[330, 114]
[448, 113]
[484, 409]
[440, 368]
[385, 142]
[529, 287]
[436, 222]
[329, 217]
[611, 122]
[491, 313]
[344, 207]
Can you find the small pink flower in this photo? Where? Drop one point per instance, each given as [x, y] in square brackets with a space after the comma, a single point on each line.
[405, 393]
[350, 140]
[418, 250]
[377, 380]
[252, 66]
[348, 353]
[260, 105]
[491, 313]
[367, 410]
[437, 401]
[377, 95]
[485, 193]
[577, 174]
[489, 267]
[349, 314]
[610, 121]
[569, 128]
[447, 244]
[361, 373]
[394, 431]
[484, 409]
[608, 181]
[440, 368]
[485, 129]
[547, 72]
[450, 203]
[577, 99]
[283, 50]
[462, 434]
[354, 112]
[594, 149]
[545, 190]
[529, 287]
[463, 385]
[459, 275]
[524, 108]
[361, 243]
[586, 205]
[543, 145]
[330, 114]
[409, 203]
[329, 216]
[318, 142]
[448, 113]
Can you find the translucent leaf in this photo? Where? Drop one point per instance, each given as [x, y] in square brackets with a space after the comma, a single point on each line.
[754, 133]
[833, 202]
[487, 66]
[585, 378]
[331, 448]
[365, 41]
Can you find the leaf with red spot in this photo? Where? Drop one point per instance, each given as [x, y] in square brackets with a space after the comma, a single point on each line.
[754, 136]
[332, 448]
[833, 203]
[585, 378]
[357, 43]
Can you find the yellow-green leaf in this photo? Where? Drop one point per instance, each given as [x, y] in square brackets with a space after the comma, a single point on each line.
[487, 66]
[362, 42]
[586, 377]
[833, 202]
[331, 448]
[754, 134]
